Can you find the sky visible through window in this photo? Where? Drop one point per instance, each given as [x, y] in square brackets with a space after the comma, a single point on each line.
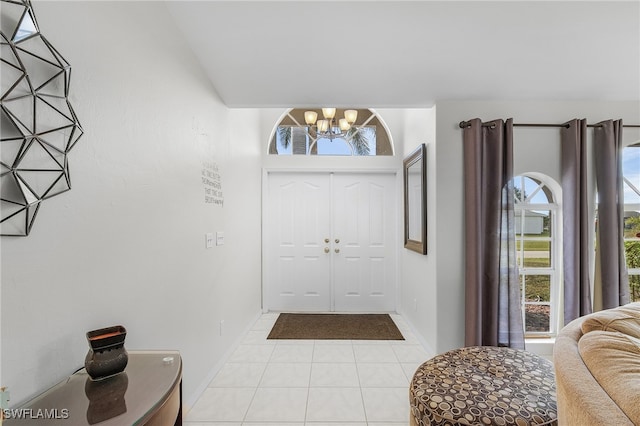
[326, 146]
[631, 172]
[533, 192]
[530, 186]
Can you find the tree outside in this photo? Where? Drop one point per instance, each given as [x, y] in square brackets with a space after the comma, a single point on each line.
[632, 250]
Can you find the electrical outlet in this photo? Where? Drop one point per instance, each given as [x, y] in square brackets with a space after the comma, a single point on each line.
[219, 238]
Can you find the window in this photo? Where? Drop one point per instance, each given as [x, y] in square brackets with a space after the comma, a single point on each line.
[631, 186]
[538, 251]
[366, 137]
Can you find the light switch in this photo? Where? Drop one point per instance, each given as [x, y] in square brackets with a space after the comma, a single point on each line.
[209, 239]
[219, 238]
[4, 398]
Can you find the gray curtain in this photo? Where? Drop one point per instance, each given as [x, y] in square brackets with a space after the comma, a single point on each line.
[492, 291]
[576, 224]
[611, 287]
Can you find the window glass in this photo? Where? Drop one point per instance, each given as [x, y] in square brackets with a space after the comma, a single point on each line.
[536, 246]
[631, 187]
[537, 318]
[365, 137]
[631, 174]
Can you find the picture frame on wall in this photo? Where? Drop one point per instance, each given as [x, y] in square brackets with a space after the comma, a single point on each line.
[415, 200]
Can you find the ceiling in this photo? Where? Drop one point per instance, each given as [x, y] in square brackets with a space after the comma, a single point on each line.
[413, 53]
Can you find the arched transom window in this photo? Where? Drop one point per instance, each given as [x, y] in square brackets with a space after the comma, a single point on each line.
[322, 131]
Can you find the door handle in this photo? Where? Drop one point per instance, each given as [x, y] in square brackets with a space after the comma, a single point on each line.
[337, 250]
[337, 240]
[326, 240]
[326, 249]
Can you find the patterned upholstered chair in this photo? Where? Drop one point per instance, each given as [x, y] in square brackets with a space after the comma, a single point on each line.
[484, 385]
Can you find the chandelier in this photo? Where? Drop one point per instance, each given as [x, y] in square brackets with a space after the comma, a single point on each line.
[326, 127]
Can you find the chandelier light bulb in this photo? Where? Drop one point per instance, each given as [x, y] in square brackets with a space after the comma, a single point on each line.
[323, 125]
[344, 124]
[329, 113]
[310, 117]
[351, 115]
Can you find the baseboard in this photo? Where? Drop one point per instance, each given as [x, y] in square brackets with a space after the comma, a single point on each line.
[417, 335]
[187, 402]
[541, 347]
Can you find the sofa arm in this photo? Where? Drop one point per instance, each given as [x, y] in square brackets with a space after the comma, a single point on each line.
[581, 400]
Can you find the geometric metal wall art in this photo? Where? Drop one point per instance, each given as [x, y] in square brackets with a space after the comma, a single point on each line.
[38, 126]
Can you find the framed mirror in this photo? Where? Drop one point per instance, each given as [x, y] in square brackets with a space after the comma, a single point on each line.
[415, 200]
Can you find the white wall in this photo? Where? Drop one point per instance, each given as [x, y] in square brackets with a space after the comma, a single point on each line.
[534, 149]
[126, 245]
[418, 286]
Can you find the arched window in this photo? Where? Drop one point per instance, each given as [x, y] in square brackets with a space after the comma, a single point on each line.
[538, 251]
[631, 186]
[295, 134]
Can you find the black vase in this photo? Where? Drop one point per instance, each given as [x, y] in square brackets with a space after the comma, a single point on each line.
[107, 355]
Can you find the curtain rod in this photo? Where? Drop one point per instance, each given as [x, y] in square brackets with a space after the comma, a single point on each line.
[464, 124]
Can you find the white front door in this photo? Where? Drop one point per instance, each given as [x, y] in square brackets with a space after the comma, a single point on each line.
[298, 223]
[330, 242]
[364, 224]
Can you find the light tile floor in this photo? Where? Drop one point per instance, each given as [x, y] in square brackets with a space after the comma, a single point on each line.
[311, 382]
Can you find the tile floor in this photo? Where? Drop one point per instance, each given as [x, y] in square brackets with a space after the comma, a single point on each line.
[311, 382]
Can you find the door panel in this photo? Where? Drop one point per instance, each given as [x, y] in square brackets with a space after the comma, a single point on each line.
[364, 223]
[298, 221]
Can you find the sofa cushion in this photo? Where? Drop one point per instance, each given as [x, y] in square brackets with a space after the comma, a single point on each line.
[613, 359]
[631, 308]
[625, 319]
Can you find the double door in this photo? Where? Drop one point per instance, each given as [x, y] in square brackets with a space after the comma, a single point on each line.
[330, 242]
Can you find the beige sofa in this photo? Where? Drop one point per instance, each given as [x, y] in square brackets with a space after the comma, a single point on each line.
[597, 365]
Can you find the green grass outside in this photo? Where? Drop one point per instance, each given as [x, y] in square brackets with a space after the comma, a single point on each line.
[538, 286]
[534, 245]
[530, 262]
[537, 262]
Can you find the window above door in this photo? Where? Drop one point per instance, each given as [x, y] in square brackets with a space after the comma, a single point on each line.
[301, 132]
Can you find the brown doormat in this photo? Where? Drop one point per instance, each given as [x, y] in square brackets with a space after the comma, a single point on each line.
[335, 326]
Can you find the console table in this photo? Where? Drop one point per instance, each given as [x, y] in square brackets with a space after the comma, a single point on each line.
[148, 392]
